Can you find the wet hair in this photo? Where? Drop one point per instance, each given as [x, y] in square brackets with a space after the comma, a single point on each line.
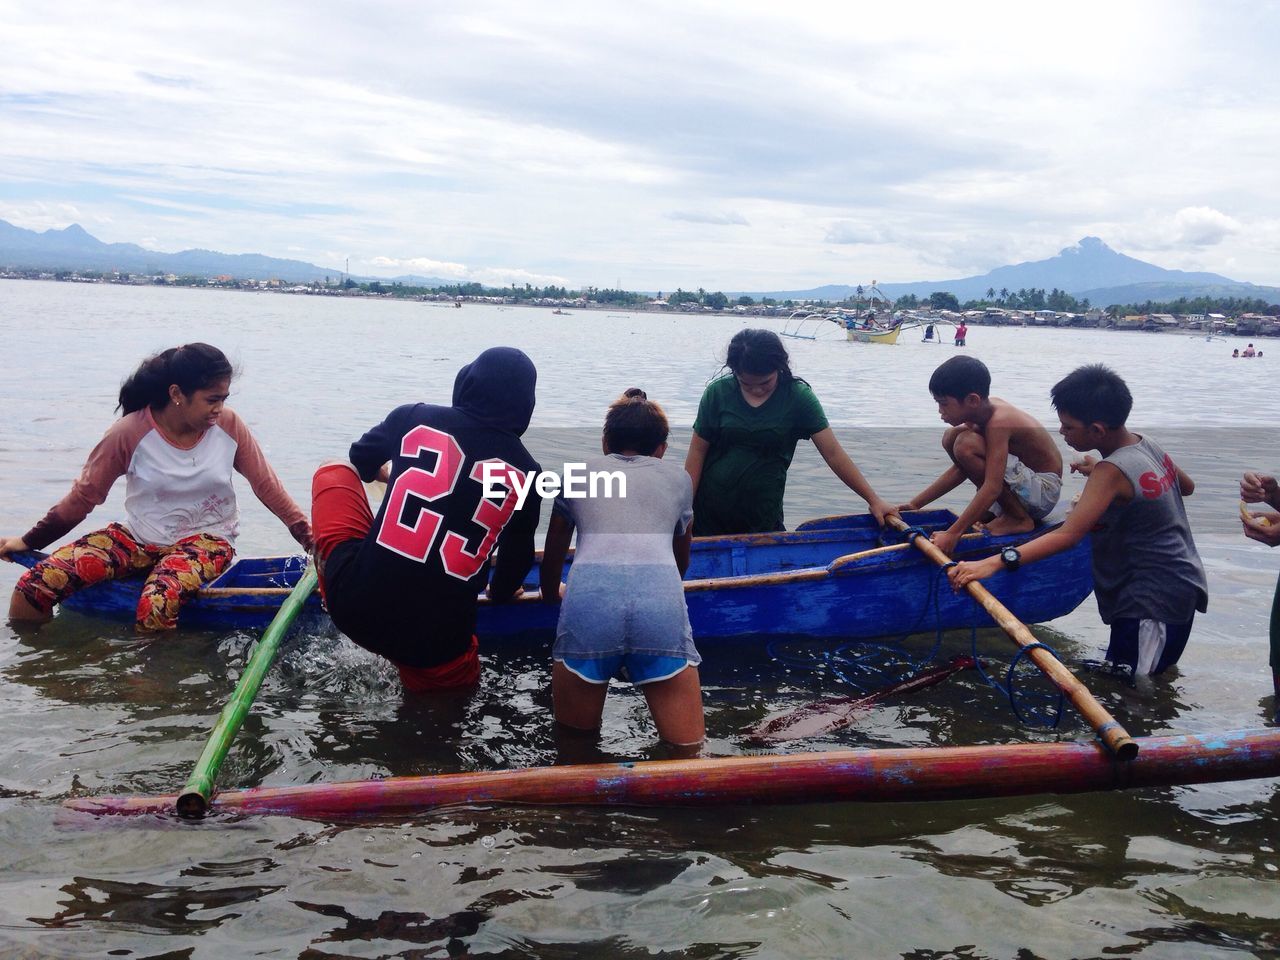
[1093, 394]
[634, 422]
[759, 353]
[193, 366]
[959, 377]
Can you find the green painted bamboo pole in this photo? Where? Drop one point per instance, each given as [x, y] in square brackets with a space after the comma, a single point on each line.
[194, 799]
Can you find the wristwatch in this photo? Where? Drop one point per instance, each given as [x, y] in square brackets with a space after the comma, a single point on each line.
[1011, 558]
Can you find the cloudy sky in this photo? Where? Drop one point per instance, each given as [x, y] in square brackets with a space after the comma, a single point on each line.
[736, 145]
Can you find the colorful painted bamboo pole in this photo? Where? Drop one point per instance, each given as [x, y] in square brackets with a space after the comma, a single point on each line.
[194, 799]
[902, 774]
[1095, 714]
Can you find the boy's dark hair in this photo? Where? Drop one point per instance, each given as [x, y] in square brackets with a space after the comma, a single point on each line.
[1093, 394]
[959, 377]
[634, 422]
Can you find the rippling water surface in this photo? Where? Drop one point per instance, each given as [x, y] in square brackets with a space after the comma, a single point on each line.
[89, 708]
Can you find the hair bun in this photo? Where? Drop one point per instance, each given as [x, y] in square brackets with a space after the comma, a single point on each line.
[634, 393]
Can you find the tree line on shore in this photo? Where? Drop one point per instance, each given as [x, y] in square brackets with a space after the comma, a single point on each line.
[1022, 299]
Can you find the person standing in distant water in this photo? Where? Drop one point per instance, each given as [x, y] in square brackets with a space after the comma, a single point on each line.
[962, 333]
[745, 435]
[177, 444]
[1265, 528]
[928, 332]
[1248, 351]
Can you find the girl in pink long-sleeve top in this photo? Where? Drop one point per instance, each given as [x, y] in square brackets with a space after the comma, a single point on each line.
[177, 445]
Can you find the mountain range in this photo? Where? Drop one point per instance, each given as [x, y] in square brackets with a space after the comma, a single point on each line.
[1088, 268]
[74, 248]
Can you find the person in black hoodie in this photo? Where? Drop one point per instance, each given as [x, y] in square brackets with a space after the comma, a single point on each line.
[404, 584]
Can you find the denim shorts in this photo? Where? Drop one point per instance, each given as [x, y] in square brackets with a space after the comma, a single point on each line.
[635, 668]
[612, 610]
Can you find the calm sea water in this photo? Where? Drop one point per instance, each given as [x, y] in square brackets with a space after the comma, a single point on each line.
[87, 707]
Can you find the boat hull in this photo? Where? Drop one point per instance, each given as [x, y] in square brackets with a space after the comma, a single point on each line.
[869, 336]
[830, 578]
[868, 775]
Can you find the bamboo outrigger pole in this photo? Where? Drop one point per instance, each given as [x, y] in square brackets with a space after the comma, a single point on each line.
[194, 799]
[1108, 729]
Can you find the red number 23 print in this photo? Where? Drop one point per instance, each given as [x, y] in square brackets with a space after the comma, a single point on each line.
[425, 486]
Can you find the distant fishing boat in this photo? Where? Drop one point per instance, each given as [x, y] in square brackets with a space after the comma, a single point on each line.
[813, 326]
[859, 323]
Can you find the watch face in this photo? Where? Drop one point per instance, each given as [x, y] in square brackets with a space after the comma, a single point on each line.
[1011, 556]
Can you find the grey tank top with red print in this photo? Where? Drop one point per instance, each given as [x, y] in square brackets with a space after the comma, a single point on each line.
[1145, 564]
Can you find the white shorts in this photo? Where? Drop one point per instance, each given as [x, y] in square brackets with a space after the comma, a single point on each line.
[1039, 492]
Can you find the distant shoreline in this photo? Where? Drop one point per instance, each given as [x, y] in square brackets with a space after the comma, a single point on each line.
[569, 307]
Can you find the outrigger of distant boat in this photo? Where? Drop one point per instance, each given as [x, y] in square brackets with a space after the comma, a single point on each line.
[860, 323]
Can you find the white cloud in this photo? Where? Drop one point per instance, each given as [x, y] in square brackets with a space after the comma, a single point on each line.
[580, 140]
[496, 276]
[420, 265]
[1203, 226]
[846, 231]
[725, 219]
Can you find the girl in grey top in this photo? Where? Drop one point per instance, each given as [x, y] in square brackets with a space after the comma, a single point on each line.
[623, 613]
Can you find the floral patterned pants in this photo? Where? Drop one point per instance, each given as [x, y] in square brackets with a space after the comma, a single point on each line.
[176, 571]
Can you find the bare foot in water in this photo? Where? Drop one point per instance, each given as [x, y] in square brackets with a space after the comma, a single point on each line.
[1003, 526]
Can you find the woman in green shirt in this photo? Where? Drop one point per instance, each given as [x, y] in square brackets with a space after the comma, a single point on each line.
[745, 435]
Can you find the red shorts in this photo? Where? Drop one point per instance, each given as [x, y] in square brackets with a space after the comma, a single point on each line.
[339, 513]
[461, 671]
[339, 508]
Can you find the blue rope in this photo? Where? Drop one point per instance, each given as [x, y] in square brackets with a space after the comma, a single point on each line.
[1028, 715]
[855, 657]
[1037, 717]
[844, 663]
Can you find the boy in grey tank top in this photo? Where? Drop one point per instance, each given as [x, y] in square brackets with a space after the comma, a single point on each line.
[1148, 578]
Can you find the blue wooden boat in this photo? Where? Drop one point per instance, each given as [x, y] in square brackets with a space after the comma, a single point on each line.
[838, 577]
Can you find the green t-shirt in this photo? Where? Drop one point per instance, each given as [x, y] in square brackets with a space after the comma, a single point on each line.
[745, 473]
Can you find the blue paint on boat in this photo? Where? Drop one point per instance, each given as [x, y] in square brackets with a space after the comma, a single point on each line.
[826, 579]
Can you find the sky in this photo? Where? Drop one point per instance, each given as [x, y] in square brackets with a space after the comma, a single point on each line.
[731, 146]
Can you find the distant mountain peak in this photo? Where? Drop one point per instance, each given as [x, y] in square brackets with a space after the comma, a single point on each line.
[1086, 268]
[75, 232]
[1086, 245]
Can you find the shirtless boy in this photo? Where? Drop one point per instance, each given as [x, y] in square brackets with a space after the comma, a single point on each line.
[1007, 454]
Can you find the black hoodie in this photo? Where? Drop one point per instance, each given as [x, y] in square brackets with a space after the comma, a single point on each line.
[408, 590]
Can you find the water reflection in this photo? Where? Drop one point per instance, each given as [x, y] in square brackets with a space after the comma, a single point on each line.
[161, 908]
[86, 703]
[415, 928]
